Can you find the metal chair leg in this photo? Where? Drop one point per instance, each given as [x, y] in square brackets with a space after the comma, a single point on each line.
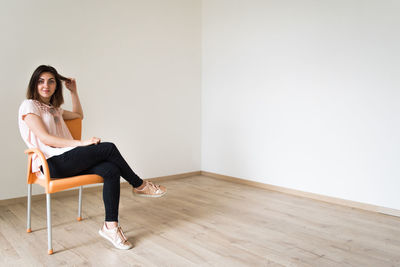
[80, 204]
[48, 201]
[28, 217]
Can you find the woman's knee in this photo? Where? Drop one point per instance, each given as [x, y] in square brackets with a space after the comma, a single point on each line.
[111, 144]
[108, 145]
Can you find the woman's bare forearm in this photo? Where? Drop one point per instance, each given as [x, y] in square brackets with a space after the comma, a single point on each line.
[76, 104]
[55, 141]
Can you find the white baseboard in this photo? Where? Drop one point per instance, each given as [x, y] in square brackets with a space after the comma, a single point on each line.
[333, 200]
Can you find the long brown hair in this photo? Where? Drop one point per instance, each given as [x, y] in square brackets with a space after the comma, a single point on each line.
[57, 98]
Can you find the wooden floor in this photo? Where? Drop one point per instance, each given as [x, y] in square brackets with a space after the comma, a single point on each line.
[203, 221]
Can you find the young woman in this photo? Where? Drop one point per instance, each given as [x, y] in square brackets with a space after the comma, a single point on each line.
[41, 123]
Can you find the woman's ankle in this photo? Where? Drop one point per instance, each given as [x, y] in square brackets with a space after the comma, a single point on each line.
[111, 225]
[143, 185]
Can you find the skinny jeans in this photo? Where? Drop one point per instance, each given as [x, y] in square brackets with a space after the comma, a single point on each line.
[103, 159]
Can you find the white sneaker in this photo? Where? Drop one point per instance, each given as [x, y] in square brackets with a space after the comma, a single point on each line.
[115, 236]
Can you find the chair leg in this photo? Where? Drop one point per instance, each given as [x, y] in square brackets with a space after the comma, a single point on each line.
[28, 216]
[48, 201]
[80, 204]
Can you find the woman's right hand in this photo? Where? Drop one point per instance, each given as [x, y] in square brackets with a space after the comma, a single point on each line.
[91, 141]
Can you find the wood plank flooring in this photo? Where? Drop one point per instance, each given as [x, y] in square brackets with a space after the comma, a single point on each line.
[202, 221]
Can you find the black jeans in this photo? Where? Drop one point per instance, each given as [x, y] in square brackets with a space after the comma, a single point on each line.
[104, 160]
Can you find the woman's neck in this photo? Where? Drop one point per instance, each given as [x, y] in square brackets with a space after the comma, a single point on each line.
[45, 101]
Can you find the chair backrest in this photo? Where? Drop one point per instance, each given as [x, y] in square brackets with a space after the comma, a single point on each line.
[75, 127]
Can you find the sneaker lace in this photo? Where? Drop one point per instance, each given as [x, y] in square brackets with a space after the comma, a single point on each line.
[121, 236]
[156, 187]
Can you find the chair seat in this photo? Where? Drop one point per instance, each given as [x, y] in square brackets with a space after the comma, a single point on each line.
[60, 184]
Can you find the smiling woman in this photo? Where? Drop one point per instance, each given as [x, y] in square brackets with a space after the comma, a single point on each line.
[46, 87]
[41, 123]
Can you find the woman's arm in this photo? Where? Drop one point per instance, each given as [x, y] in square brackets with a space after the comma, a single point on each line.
[37, 126]
[77, 111]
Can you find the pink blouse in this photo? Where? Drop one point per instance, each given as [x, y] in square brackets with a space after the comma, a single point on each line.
[55, 125]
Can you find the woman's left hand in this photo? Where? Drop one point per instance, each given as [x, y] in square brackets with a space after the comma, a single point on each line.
[71, 85]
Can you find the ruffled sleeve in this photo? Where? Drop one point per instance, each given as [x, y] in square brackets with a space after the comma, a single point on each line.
[28, 106]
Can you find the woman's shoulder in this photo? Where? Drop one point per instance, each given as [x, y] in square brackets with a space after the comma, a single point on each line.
[30, 102]
[29, 106]
[36, 104]
[26, 103]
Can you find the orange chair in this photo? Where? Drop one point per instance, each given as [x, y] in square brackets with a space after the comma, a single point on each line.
[53, 185]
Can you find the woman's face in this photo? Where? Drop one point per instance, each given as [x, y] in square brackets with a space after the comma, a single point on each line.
[46, 86]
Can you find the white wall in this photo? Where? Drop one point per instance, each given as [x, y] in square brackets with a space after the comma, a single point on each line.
[138, 67]
[300, 94]
[304, 95]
